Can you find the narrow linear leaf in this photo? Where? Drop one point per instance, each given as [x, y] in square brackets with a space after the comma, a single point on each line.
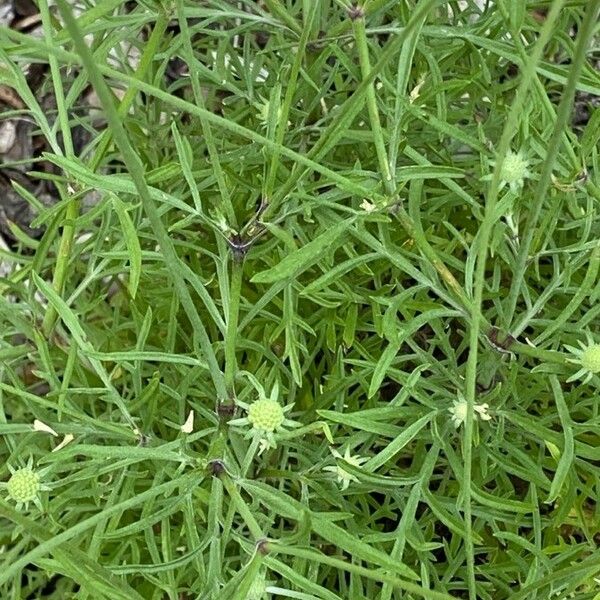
[354, 546]
[396, 445]
[171, 565]
[450, 520]
[381, 368]
[361, 422]
[58, 540]
[565, 462]
[300, 260]
[427, 172]
[133, 245]
[332, 274]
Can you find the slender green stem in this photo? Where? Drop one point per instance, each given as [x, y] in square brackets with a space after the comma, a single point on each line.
[214, 568]
[538, 86]
[343, 26]
[374, 574]
[61, 269]
[584, 289]
[350, 108]
[365, 68]
[63, 257]
[250, 453]
[144, 65]
[593, 189]
[206, 127]
[285, 108]
[405, 67]
[549, 356]
[136, 169]
[231, 333]
[240, 587]
[72, 209]
[225, 124]
[63, 115]
[412, 227]
[562, 116]
[482, 243]
[242, 507]
[278, 10]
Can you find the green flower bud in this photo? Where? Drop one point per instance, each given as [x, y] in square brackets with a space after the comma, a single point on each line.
[514, 169]
[590, 358]
[266, 414]
[23, 486]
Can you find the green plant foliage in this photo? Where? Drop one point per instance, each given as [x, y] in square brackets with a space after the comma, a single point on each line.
[329, 328]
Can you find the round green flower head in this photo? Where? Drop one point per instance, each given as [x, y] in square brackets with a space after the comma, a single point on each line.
[514, 169]
[266, 414]
[266, 417]
[23, 486]
[590, 358]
